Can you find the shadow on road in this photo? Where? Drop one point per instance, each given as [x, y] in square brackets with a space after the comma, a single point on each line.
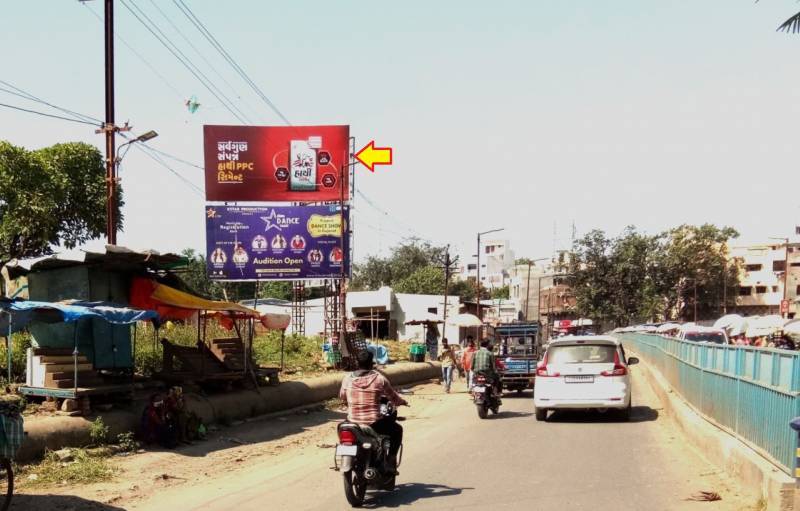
[256, 431]
[408, 493]
[58, 502]
[526, 394]
[506, 414]
[638, 414]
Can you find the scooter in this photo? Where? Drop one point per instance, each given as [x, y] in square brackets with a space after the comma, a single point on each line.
[362, 456]
[484, 396]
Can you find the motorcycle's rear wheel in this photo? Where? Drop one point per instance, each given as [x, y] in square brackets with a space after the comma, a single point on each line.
[483, 410]
[355, 487]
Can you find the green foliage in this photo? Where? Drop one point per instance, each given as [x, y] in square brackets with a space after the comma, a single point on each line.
[51, 197]
[426, 280]
[20, 342]
[499, 293]
[127, 442]
[84, 469]
[98, 432]
[636, 277]
[413, 267]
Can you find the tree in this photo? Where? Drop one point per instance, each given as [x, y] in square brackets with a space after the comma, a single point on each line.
[636, 277]
[51, 197]
[499, 293]
[427, 280]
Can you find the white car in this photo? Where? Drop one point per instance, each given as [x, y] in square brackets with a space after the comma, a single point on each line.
[696, 333]
[581, 373]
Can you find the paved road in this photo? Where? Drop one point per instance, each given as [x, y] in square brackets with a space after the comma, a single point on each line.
[456, 461]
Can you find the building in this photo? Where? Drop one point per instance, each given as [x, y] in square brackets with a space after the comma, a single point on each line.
[500, 310]
[761, 280]
[382, 314]
[497, 260]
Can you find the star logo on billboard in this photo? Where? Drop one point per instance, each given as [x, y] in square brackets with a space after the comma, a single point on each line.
[272, 221]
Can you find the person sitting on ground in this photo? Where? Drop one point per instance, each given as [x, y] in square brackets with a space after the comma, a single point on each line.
[176, 412]
[362, 391]
[156, 426]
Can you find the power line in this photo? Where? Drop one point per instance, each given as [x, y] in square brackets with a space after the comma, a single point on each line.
[178, 54]
[27, 95]
[216, 44]
[138, 55]
[200, 54]
[413, 232]
[47, 115]
[146, 150]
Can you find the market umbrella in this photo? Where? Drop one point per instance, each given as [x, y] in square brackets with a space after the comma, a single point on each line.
[727, 320]
[764, 325]
[792, 329]
[465, 320]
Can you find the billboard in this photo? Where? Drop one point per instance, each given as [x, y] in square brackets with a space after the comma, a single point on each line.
[275, 163]
[275, 243]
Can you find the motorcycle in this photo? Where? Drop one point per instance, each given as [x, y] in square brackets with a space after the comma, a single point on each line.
[362, 456]
[485, 396]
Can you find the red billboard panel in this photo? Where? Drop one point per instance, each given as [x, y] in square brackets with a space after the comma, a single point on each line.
[275, 163]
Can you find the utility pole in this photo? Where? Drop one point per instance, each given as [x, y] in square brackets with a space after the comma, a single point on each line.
[478, 278]
[449, 266]
[110, 129]
[528, 289]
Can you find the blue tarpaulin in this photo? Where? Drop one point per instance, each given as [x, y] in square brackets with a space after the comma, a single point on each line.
[28, 311]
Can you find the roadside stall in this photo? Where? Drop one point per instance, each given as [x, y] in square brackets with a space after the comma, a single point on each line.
[59, 367]
[211, 360]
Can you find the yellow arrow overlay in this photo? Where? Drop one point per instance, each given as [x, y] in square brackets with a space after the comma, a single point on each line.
[370, 156]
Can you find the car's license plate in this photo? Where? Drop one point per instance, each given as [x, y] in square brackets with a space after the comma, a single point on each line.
[579, 379]
[479, 390]
[346, 450]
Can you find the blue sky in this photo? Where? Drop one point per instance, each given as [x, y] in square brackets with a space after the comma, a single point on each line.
[512, 114]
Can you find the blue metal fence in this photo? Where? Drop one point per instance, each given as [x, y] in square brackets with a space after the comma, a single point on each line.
[753, 392]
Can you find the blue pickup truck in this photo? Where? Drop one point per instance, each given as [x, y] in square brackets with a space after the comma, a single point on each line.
[519, 347]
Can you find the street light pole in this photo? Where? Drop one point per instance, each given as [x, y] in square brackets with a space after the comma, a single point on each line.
[478, 277]
[785, 274]
[528, 288]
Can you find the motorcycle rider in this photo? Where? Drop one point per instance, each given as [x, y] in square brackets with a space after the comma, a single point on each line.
[362, 391]
[483, 361]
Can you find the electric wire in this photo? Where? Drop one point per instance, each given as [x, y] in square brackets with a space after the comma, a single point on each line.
[200, 54]
[27, 95]
[47, 115]
[177, 54]
[411, 231]
[146, 150]
[137, 54]
[216, 44]
[89, 120]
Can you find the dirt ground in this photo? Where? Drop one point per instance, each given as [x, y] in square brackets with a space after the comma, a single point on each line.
[237, 459]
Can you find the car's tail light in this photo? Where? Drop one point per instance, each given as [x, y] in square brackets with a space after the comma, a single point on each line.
[619, 368]
[541, 369]
[347, 437]
[500, 364]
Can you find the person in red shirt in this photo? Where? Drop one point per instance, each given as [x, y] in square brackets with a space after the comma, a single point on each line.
[362, 391]
[466, 360]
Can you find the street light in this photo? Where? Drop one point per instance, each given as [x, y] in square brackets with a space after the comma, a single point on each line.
[785, 274]
[112, 228]
[528, 288]
[478, 275]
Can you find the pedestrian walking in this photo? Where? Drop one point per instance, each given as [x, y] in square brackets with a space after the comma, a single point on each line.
[432, 341]
[466, 360]
[448, 360]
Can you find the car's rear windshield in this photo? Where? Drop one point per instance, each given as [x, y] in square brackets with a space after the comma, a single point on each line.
[716, 337]
[581, 354]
